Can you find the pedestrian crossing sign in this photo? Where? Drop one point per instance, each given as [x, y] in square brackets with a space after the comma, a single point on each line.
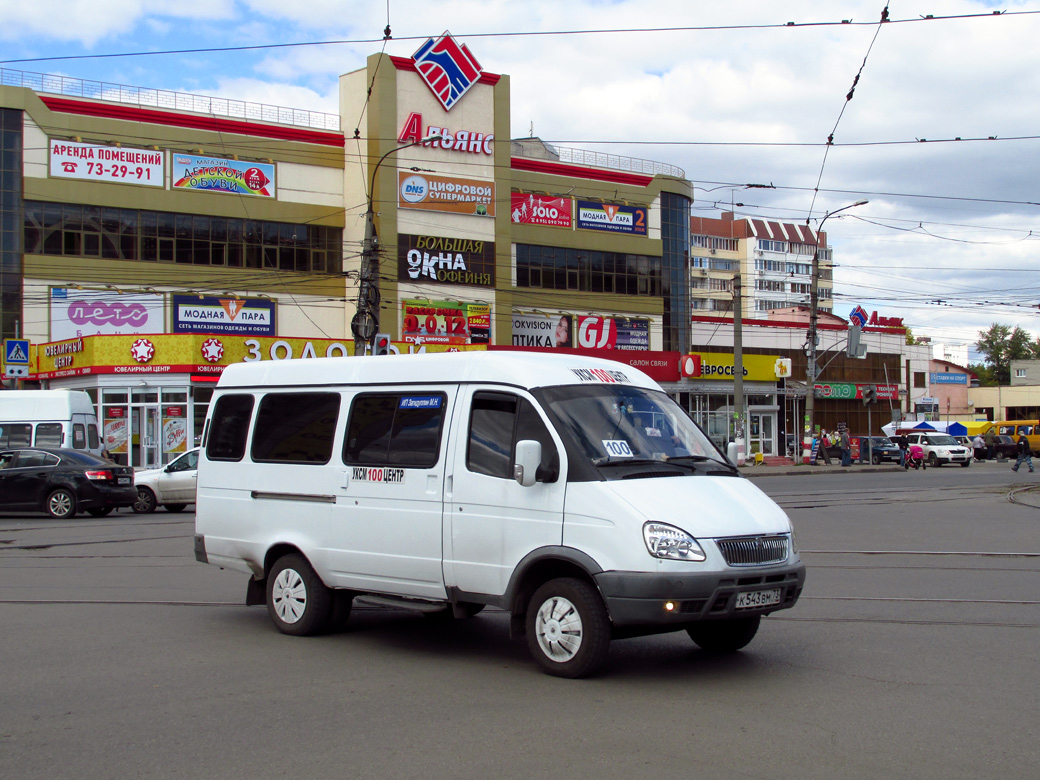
[16, 358]
[16, 352]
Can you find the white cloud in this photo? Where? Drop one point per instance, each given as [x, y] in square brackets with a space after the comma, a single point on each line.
[936, 79]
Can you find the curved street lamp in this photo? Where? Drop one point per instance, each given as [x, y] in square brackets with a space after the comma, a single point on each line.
[810, 368]
[366, 319]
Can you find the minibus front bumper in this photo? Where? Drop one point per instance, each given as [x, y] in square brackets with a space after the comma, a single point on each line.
[654, 599]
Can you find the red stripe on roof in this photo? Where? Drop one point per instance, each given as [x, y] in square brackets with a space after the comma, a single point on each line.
[151, 116]
[579, 171]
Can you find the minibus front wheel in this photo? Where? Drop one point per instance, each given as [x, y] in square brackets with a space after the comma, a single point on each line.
[297, 600]
[568, 630]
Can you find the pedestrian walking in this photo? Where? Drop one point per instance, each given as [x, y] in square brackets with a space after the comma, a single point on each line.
[846, 448]
[991, 442]
[978, 447]
[825, 440]
[1025, 453]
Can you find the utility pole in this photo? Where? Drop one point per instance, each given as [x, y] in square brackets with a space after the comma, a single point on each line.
[813, 337]
[366, 320]
[738, 365]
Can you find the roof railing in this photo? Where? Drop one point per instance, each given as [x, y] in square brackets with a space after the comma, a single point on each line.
[168, 100]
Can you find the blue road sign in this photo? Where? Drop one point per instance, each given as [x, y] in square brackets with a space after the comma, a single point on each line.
[16, 352]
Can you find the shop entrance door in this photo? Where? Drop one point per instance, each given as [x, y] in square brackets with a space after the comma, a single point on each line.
[761, 437]
[144, 443]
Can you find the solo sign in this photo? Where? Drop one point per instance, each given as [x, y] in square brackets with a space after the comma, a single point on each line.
[534, 209]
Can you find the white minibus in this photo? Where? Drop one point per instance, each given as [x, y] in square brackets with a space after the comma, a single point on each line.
[570, 492]
[48, 418]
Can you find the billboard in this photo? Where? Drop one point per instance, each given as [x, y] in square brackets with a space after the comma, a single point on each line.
[97, 162]
[243, 316]
[542, 330]
[612, 217]
[445, 322]
[450, 194]
[613, 333]
[534, 209]
[75, 313]
[437, 260]
[216, 174]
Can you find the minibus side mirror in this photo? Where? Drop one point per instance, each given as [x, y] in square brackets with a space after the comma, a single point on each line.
[528, 458]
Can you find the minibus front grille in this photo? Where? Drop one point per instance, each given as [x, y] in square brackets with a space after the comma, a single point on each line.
[754, 550]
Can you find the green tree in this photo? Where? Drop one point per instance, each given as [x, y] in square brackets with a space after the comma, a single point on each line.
[984, 373]
[1000, 345]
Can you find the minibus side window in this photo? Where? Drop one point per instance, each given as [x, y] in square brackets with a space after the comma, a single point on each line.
[295, 428]
[497, 422]
[16, 435]
[48, 435]
[395, 429]
[79, 436]
[230, 427]
[93, 441]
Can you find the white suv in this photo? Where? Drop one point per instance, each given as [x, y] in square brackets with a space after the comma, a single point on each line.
[940, 448]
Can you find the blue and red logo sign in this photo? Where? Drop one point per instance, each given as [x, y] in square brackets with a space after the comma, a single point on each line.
[859, 316]
[448, 68]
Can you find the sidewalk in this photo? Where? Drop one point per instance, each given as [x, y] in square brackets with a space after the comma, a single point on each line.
[775, 467]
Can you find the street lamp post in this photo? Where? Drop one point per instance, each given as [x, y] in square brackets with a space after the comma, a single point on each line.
[366, 319]
[810, 347]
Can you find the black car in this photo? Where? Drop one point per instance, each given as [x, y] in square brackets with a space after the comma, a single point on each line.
[61, 482]
[1005, 447]
[881, 449]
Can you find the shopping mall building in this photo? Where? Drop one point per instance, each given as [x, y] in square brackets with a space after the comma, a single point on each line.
[151, 238]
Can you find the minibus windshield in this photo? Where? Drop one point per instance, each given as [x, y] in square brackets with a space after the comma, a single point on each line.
[624, 425]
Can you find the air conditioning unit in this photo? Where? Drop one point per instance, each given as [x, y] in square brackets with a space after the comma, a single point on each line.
[703, 271]
[712, 251]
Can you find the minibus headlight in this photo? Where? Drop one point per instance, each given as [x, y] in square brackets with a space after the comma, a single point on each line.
[667, 541]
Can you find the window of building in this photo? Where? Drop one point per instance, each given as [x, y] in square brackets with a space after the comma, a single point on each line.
[1020, 373]
[497, 422]
[395, 429]
[157, 237]
[229, 428]
[920, 379]
[584, 270]
[295, 428]
[724, 265]
[772, 246]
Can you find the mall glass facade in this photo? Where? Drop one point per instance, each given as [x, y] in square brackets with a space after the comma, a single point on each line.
[10, 222]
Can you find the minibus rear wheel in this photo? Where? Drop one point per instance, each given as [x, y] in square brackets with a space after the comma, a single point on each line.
[297, 600]
[724, 636]
[568, 630]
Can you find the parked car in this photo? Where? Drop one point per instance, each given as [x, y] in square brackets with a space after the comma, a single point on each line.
[61, 482]
[881, 450]
[1005, 447]
[941, 448]
[172, 486]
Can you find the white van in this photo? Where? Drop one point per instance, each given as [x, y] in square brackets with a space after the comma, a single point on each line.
[568, 491]
[48, 418]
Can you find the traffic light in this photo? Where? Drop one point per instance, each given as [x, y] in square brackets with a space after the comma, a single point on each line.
[381, 344]
[869, 394]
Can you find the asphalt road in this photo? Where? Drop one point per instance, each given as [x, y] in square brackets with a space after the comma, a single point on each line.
[911, 654]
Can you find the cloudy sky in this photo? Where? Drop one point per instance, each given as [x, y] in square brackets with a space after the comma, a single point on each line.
[940, 135]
